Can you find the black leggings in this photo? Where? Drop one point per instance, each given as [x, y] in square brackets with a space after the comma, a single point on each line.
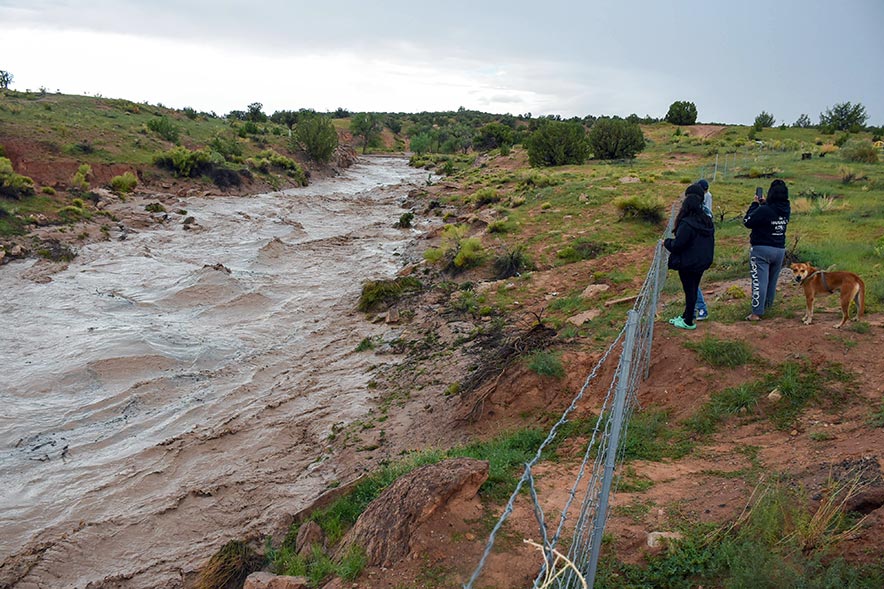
[690, 282]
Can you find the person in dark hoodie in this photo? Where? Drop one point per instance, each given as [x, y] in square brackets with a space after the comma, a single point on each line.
[767, 218]
[691, 250]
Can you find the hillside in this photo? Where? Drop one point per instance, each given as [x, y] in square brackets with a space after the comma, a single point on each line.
[476, 358]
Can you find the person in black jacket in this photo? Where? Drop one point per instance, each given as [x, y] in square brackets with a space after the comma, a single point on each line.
[691, 250]
[767, 219]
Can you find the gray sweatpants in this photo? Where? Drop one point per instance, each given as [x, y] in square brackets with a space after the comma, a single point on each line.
[765, 263]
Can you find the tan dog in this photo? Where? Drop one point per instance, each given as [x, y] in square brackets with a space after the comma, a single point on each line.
[818, 281]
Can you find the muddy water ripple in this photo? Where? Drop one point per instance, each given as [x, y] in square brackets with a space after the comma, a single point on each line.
[155, 406]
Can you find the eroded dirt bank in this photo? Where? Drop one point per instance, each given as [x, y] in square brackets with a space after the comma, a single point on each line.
[177, 389]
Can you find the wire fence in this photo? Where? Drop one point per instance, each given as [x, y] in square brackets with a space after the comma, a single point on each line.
[583, 516]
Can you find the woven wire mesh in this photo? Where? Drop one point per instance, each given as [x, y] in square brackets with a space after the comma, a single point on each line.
[581, 524]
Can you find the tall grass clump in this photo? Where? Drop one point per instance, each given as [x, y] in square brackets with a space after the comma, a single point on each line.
[776, 542]
[124, 183]
[165, 128]
[722, 353]
[546, 363]
[860, 151]
[13, 185]
[385, 292]
[511, 263]
[229, 567]
[642, 207]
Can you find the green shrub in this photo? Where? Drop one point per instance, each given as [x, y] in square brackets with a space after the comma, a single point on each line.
[405, 220]
[80, 179]
[546, 363]
[48, 190]
[13, 185]
[615, 139]
[185, 163]
[557, 143]
[582, 249]
[316, 135]
[484, 196]
[644, 207]
[765, 119]
[860, 150]
[165, 128]
[385, 292]
[457, 251]
[511, 263]
[267, 159]
[226, 145]
[124, 183]
[491, 136]
[154, 207]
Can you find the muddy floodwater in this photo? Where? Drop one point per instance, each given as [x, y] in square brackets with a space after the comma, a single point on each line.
[174, 390]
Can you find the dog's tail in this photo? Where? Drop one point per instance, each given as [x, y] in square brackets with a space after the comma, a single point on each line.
[860, 298]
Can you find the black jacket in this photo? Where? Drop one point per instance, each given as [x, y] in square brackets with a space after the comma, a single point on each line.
[693, 246]
[768, 223]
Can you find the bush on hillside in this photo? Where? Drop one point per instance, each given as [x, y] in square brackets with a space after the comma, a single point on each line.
[268, 159]
[682, 112]
[80, 180]
[165, 128]
[185, 163]
[124, 183]
[227, 145]
[492, 136]
[645, 208]
[860, 150]
[13, 185]
[557, 143]
[612, 139]
[316, 135]
[385, 292]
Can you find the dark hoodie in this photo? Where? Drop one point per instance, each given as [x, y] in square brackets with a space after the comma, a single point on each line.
[693, 246]
[768, 220]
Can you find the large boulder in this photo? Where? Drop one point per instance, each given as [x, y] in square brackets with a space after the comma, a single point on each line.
[386, 527]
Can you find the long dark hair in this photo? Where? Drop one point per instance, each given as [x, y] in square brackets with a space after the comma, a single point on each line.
[692, 206]
[778, 191]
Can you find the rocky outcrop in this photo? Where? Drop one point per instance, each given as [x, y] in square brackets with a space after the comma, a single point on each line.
[386, 527]
[264, 580]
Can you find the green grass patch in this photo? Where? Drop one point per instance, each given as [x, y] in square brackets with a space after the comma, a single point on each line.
[722, 353]
[651, 436]
[546, 363]
[780, 543]
[798, 383]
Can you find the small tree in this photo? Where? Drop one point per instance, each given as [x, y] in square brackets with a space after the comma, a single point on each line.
[421, 143]
[765, 119]
[5, 79]
[555, 143]
[289, 118]
[255, 114]
[615, 139]
[491, 136]
[844, 117]
[316, 135]
[368, 126]
[803, 122]
[682, 112]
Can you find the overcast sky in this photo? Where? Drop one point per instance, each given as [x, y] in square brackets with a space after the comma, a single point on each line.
[732, 59]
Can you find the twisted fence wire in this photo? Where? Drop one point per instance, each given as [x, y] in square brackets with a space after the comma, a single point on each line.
[635, 356]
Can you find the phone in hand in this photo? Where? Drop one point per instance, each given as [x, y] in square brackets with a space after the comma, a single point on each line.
[759, 194]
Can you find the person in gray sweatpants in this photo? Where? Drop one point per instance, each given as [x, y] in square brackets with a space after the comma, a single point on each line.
[767, 218]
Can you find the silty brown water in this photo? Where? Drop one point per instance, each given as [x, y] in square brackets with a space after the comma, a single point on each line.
[155, 407]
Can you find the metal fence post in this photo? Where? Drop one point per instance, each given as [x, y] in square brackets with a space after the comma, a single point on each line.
[601, 514]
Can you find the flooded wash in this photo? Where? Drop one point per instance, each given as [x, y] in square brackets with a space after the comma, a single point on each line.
[176, 390]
